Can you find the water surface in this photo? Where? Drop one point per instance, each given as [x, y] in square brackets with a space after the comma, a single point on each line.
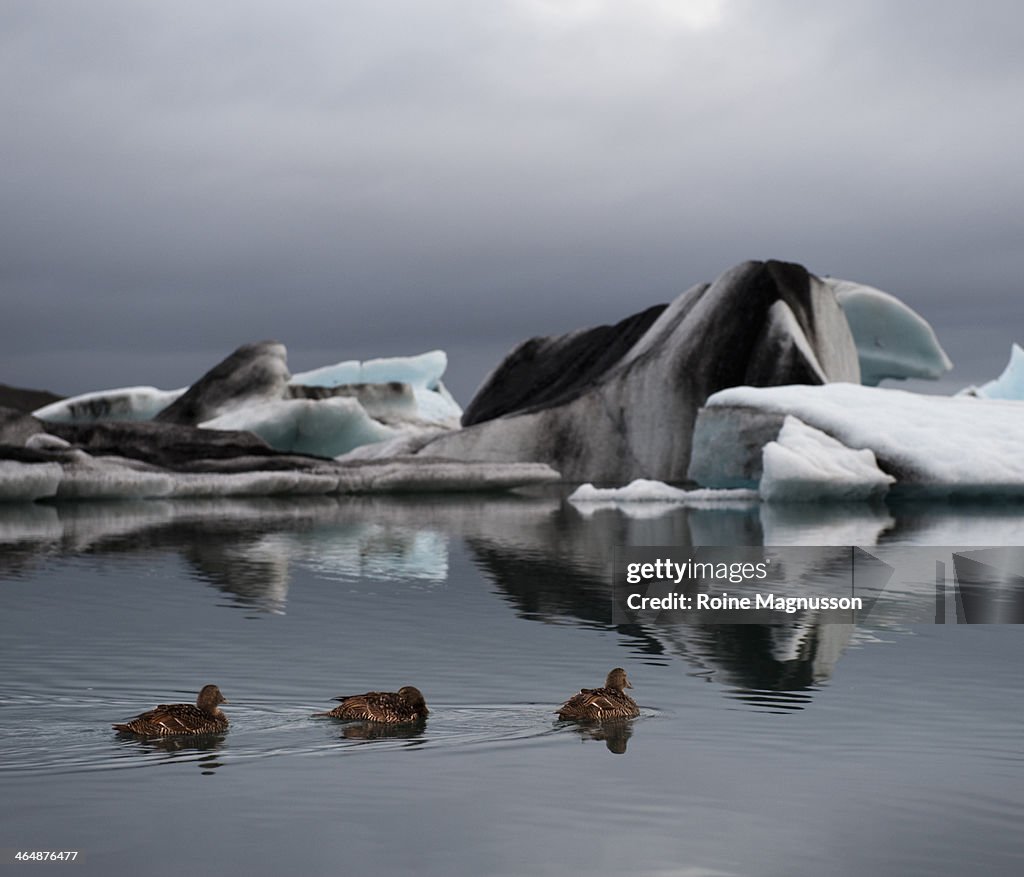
[894, 749]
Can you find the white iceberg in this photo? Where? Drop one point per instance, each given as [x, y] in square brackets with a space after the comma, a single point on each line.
[644, 490]
[325, 427]
[111, 478]
[25, 482]
[893, 340]
[804, 464]
[257, 483]
[423, 373]
[936, 445]
[125, 403]
[1010, 384]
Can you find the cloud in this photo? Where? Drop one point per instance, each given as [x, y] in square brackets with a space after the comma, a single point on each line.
[363, 177]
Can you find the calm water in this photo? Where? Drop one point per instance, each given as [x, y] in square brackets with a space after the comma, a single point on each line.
[762, 751]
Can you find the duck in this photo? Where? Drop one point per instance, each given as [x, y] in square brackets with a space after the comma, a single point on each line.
[387, 707]
[176, 719]
[597, 704]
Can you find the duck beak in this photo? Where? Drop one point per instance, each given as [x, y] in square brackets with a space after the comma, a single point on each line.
[629, 684]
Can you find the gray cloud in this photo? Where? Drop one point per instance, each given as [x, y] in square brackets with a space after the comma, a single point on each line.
[380, 178]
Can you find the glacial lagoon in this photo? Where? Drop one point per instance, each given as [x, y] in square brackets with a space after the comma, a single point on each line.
[889, 749]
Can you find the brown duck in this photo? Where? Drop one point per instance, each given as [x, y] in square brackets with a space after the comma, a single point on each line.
[609, 702]
[390, 707]
[173, 719]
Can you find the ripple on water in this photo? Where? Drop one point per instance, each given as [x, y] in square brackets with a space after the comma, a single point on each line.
[35, 744]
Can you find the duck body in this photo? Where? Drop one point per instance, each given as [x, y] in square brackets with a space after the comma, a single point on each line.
[179, 719]
[601, 704]
[387, 707]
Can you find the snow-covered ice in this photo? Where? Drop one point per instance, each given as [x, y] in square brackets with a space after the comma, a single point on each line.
[939, 445]
[805, 465]
[644, 490]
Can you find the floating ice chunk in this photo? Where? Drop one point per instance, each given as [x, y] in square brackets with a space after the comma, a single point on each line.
[893, 340]
[326, 427]
[804, 464]
[415, 474]
[126, 403]
[423, 373]
[111, 478]
[935, 444]
[1010, 384]
[25, 482]
[252, 484]
[644, 490]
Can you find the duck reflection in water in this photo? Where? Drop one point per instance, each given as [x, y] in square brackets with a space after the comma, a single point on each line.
[379, 731]
[182, 747]
[615, 733]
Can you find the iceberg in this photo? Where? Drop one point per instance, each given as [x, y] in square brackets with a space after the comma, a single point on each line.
[324, 428]
[111, 478]
[412, 475]
[326, 412]
[893, 340]
[126, 403]
[16, 427]
[230, 484]
[254, 373]
[1010, 384]
[805, 465]
[615, 403]
[422, 373]
[644, 490]
[25, 482]
[931, 445]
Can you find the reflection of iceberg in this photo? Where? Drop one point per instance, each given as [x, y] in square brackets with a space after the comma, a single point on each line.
[772, 667]
[837, 524]
[377, 550]
[246, 547]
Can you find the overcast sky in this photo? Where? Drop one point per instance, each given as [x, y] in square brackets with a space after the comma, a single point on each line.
[375, 178]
